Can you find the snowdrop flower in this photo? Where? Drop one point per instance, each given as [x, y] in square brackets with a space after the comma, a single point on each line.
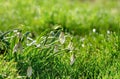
[83, 45]
[56, 49]
[108, 32]
[18, 47]
[52, 33]
[62, 38]
[38, 45]
[70, 46]
[19, 35]
[72, 59]
[29, 71]
[94, 30]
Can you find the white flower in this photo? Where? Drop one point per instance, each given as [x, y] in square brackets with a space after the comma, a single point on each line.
[18, 47]
[56, 49]
[52, 33]
[62, 38]
[70, 46]
[38, 45]
[108, 32]
[19, 34]
[72, 59]
[29, 71]
[83, 45]
[94, 30]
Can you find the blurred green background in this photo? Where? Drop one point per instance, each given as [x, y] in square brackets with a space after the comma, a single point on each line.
[76, 16]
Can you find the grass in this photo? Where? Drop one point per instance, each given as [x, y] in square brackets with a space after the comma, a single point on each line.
[59, 39]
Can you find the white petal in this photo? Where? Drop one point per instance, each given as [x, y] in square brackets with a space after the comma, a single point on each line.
[94, 30]
[83, 45]
[18, 47]
[15, 49]
[29, 71]
[38, 45]
[72, 59]
[70, 46]
[62, 38]
[108, 32]
[56, 49]
[19, 35]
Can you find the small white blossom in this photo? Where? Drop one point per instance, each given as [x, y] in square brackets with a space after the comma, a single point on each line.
[108, 32]
[83, 45]
[62, 38]
[29, 71]
[18, 47]
[56, 49]
[72, 59]
[38, 45]
[19, 35]
[70, 46]
[52, 33]
[94, 30]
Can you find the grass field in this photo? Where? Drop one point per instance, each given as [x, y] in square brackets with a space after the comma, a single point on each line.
[59, 39]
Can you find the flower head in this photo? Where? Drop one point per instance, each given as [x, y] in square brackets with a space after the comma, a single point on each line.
[70, 46]
[94, 30]
[62, 38]
[83, 45]
[18, 47]
[72, 59]
[108, 32]
[29, 71]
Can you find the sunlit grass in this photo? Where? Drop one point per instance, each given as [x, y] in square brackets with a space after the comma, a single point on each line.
[59, 39]
[48, 57]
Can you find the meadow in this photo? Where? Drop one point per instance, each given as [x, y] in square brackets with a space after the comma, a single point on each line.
[59, 39]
